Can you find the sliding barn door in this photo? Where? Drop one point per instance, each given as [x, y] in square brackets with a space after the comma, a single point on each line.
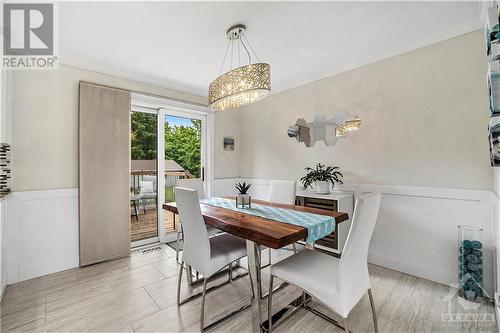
[104, 198]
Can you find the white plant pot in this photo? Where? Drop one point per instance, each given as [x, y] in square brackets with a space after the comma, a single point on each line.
[322, 187]
[243, 199]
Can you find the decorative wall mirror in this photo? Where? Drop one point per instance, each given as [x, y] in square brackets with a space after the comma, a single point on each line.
[322, 129]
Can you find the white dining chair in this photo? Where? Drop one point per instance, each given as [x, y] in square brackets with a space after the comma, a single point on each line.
[194, 184]
[337, 283]
[283, 192]
[208, 255]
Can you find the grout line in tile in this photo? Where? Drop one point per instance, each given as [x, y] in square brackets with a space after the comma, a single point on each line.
[158, 306]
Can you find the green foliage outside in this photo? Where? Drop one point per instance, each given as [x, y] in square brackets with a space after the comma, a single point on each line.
[182, 143]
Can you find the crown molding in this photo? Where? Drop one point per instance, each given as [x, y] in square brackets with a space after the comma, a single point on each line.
[133, 76]
[412, 46]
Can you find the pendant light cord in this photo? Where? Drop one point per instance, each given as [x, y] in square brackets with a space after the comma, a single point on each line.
[240, 41]
[248, 53]
[232, 54]
[225, 56]
[251, 48]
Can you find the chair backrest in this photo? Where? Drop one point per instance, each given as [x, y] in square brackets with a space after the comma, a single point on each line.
[194, 184]
[353, 267]
[283, 191]
[196, 250]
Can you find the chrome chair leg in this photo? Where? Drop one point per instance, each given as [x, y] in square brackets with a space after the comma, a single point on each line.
[177, 248]
[179, 283]
[202, 316]
[269, 307]
[294, 248]
[251, 282]
[179, 233]
[204, 293]
[270, 256]
[374, 313]
[230, 272]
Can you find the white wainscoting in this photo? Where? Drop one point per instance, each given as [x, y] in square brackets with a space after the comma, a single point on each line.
[416, 231]
[3, 269]
[41, 233]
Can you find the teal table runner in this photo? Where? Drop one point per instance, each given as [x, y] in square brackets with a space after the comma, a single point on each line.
[318, 226]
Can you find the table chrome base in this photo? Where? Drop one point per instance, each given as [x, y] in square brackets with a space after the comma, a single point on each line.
[281, 286]
[200, 280]
[289, 310]
[228, 316]
[324, 316]
[300, 302]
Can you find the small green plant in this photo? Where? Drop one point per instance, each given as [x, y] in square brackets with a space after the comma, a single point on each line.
[243, 188]
[328, 174]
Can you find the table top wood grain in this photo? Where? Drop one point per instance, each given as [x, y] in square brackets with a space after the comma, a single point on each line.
[260, 230]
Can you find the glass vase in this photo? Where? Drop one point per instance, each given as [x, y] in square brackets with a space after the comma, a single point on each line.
[470, 263]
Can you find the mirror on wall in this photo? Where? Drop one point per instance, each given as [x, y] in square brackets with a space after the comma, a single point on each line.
[323, 129]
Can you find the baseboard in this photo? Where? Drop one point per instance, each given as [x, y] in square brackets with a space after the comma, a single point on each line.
[425, 272]
[47, 268]
[4, 288]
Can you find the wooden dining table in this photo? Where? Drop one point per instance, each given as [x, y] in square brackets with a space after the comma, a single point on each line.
[258, 232]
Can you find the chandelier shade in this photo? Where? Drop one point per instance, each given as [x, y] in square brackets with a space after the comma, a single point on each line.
[240, 86]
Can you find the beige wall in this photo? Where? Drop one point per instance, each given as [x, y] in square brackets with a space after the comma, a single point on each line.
[45, 123]
[227, 163]
[425, 118]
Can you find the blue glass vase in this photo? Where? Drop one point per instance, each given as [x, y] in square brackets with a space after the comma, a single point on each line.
[470, 263]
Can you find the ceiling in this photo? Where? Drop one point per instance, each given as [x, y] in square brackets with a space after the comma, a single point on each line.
[180, 45]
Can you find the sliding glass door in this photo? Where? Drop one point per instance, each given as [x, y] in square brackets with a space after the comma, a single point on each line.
[166, 145]
[183, 157]
[143, 178]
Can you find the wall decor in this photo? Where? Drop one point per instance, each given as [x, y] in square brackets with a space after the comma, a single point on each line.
[323, 129]
[492, 39]
[494, 139]
[4, 168]
[229, 144]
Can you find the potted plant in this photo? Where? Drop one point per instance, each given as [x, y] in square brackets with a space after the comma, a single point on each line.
[243, 198]
[322, 177]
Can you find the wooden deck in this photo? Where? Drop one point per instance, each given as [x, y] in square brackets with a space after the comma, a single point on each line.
[146, 226]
